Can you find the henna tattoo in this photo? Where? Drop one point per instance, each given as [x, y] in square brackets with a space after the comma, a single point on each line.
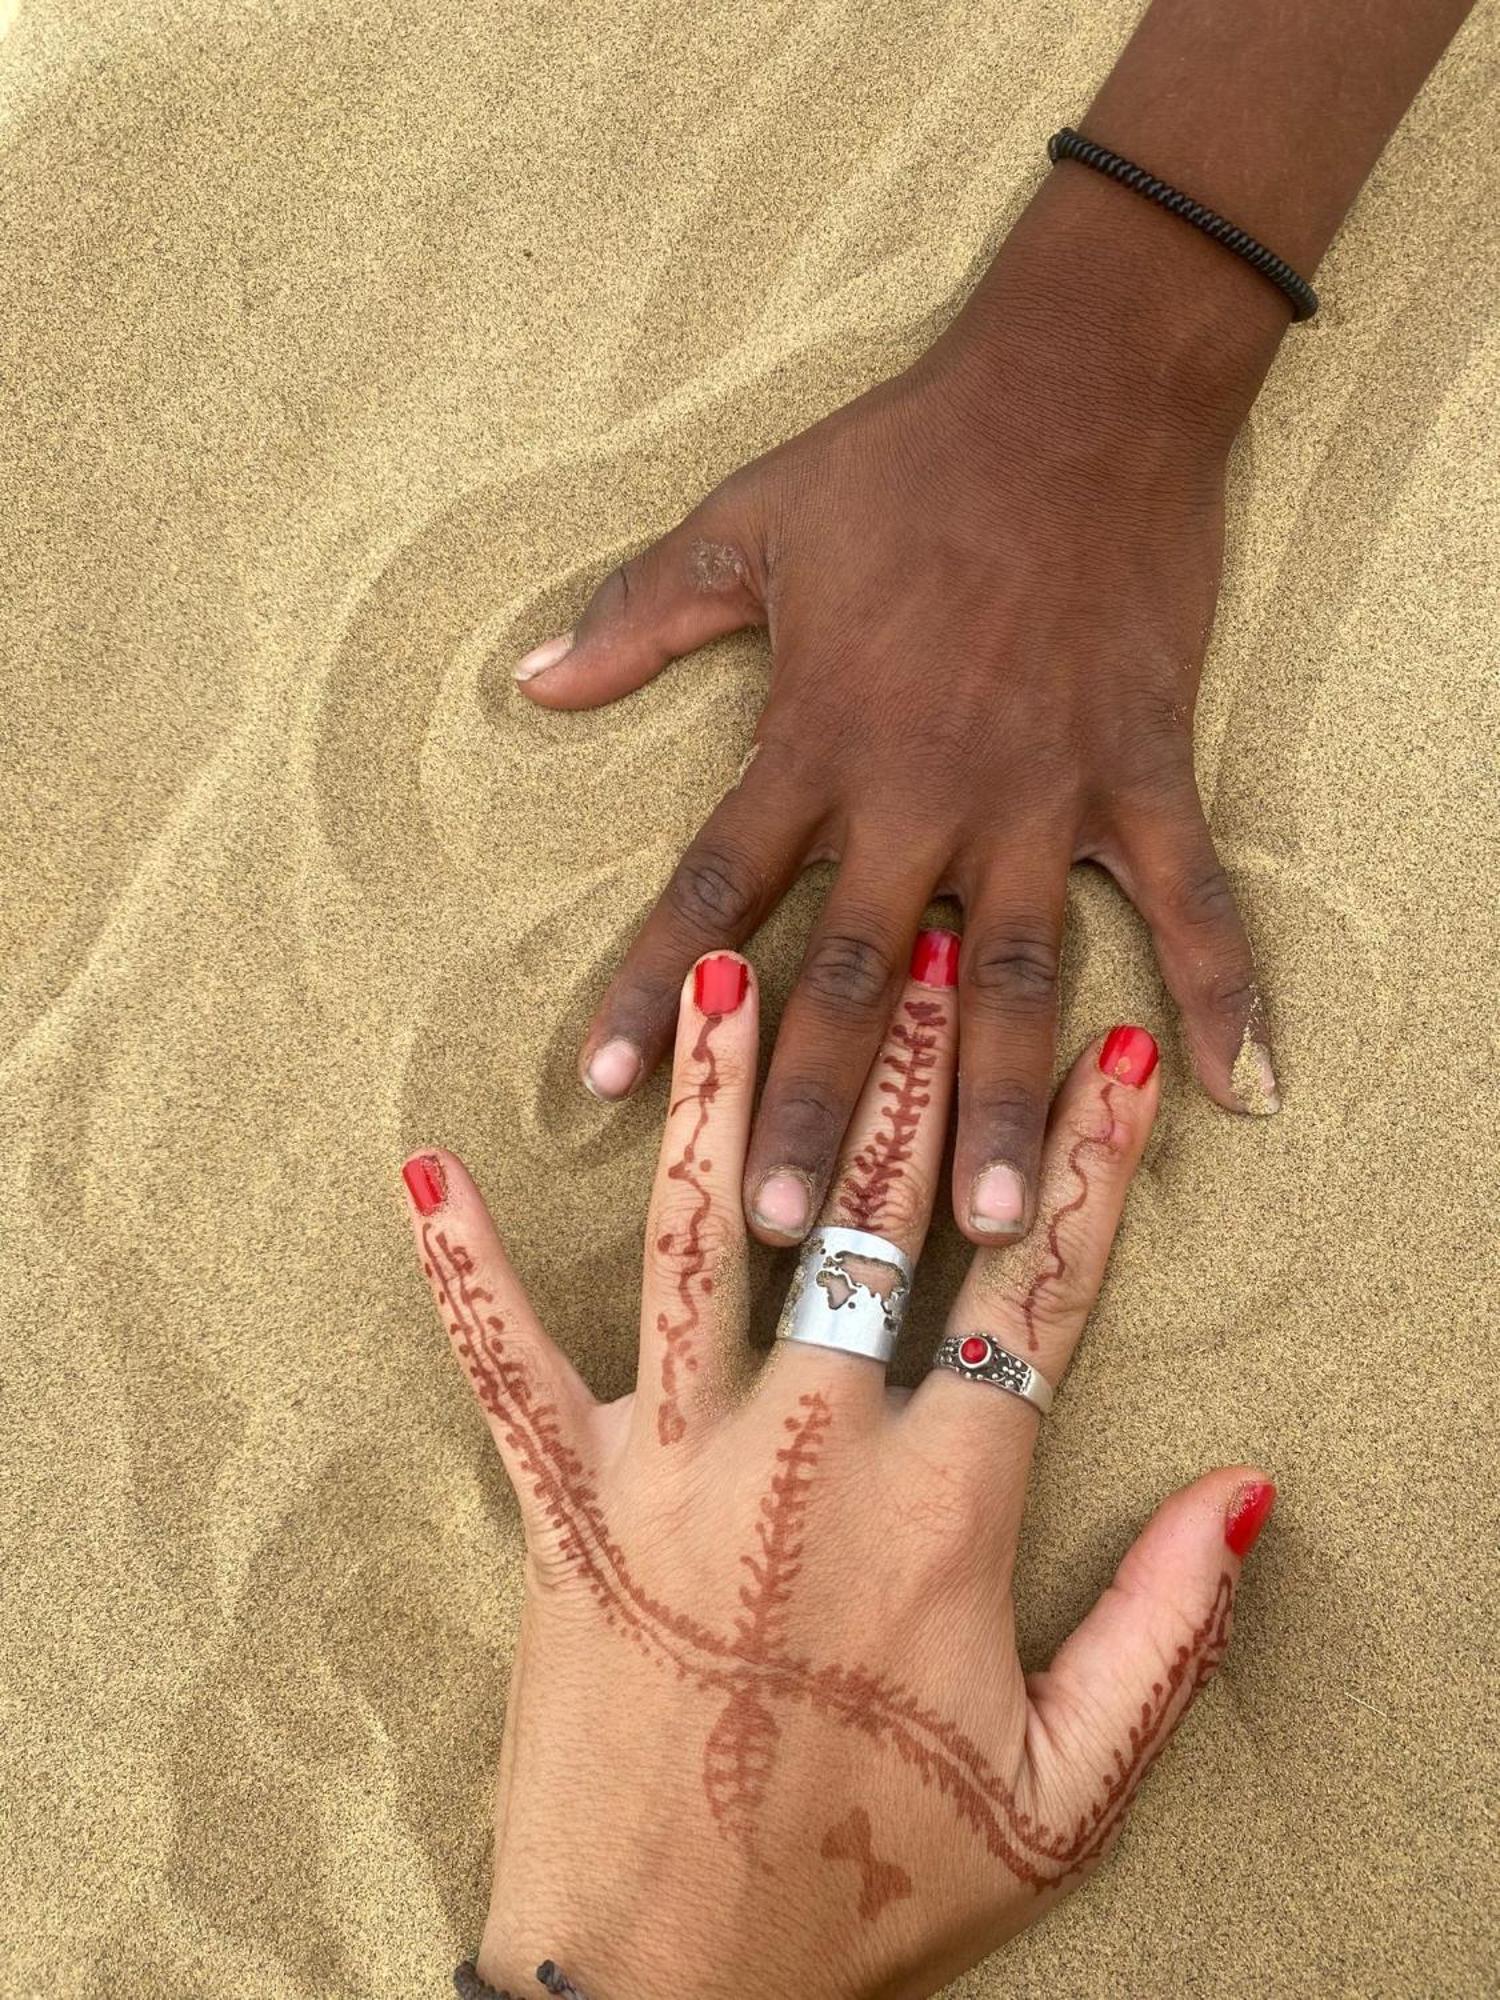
[943, 1755]
[531, 1433]
[760, 1628]
[752, 1670]
[910, 1054]
[740, 1753]
[687, 1248]
[1054, 1264]
[881, 1882]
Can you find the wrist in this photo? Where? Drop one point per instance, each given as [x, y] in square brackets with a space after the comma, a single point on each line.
[1095, 285]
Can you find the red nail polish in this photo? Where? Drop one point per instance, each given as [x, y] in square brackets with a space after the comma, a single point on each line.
[720, 984]
[424, 1179]
[934, 958]
[1248, 1513]
[1129, 1055]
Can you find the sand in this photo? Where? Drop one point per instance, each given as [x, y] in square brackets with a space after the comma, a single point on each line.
[342, 347]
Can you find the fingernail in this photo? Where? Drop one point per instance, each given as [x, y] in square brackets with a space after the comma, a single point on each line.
[782, 1202]
[1129, 1055]
[425, 1183]
[541, 657]
[613, 1069]
[997, 1206]
[934, 958]
[1253, 1080]
[1248, 1513]
[720, 984]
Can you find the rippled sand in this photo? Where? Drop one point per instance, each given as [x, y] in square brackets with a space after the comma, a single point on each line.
[341, 348]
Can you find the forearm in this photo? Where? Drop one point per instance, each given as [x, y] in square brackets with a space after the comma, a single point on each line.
[1271, 112]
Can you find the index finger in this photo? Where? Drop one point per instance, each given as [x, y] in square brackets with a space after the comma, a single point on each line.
[736, 871]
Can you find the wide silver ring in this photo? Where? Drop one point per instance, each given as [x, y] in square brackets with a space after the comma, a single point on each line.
[978, 1358]
[842, 1297]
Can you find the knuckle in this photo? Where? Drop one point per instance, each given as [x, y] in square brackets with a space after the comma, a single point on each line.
[1014, 971]
[1230, 991]
[893, 1204]
[1050, 1304]
[1203, 898]
[683, 1236]
[803, 1122]
[848, 972]
[938, 1519]
[1159, 749]
[714, 568]
[1004, 1111]
[613, 594]
[1046, 1287]
[712, 890]
[1095, 1131]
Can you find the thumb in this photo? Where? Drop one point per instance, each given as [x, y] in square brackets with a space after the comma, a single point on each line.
[697, 583]
[1119, 1686]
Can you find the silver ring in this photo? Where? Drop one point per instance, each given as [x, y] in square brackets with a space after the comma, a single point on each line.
[829, 1305]
[979, 1359]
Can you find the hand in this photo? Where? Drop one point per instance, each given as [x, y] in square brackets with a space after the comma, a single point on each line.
[988, 584]
[767, 1728]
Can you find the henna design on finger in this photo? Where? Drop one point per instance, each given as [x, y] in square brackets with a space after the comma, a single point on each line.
[910, 1054]
[881, 1882]
[1054, 1264]
[752, 1672]
[687, 1247]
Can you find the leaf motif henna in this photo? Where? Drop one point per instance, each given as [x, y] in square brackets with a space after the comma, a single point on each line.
[739, 1756]
[865, 1188]
[778, 1532]
[738, 1760]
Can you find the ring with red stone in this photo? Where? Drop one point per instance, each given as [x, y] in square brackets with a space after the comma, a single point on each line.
[979, 1359]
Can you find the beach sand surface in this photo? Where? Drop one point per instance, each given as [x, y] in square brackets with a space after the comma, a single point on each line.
[341, 350]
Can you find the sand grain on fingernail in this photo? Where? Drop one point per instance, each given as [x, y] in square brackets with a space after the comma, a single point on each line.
[1253, 1080]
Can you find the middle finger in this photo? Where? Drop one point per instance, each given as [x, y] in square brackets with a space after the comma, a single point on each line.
[828, 1039]
[885, 1181]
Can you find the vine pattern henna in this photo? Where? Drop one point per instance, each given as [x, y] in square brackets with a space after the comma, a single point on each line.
[1054, 1265]
[880, 1882]
[910, 1054]
[752, 1670]
[687, 1249]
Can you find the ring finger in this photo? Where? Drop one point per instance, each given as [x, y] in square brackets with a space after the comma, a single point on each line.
[1031, 1299]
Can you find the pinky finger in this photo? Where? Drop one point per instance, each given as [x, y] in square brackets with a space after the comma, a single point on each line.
[532, 1397]
[1174, 877]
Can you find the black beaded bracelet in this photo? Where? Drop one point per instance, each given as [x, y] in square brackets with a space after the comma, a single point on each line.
[1070, 145]
[468, 1984]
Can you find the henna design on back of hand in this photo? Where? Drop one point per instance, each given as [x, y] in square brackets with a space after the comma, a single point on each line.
[881, 1882]
[752, 1670]
[739, 1756]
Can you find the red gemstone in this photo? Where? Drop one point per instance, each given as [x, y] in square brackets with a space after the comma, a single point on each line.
[974, 1350]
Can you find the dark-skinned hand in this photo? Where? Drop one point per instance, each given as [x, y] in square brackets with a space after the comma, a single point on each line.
[988, 585]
